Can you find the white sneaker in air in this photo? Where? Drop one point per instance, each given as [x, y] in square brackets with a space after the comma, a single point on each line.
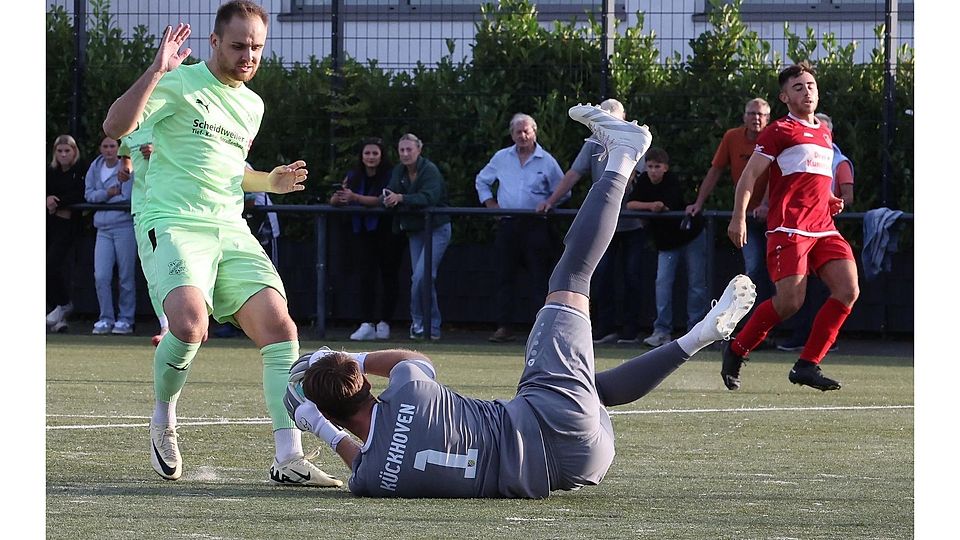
[300, 472]
[366, 332]
[612, 132]
[165, 452]
[734, 304]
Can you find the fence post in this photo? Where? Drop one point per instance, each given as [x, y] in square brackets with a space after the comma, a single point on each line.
[320, 229]
[336, 54]
[889, 97]
[79, 66]
[607, 47]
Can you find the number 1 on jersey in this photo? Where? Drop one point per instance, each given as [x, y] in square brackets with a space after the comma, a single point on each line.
[466, 462]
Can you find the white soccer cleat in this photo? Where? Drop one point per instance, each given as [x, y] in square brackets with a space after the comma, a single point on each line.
[165, 452]
[733, 305]
[612, 132]
[300, 472]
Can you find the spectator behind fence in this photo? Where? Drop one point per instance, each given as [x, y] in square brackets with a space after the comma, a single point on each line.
[64, 188]
[817, 292]
[135, 151]
[734, 151]
[415, 184]
[676, 239]
[116, 246]
[376, 251]
[527, 175]
[626, 247]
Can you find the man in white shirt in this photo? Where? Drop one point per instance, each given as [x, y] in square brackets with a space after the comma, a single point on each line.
[526, 175]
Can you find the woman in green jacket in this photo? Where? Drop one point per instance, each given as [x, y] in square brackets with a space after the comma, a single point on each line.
[416, 183]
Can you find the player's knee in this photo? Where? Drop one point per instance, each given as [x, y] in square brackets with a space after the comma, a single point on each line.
[788, 304]
[274, 330]
[848, 295]
[189, 326]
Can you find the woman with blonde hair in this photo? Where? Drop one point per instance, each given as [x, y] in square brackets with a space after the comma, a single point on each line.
[65, 184]
[416, 183]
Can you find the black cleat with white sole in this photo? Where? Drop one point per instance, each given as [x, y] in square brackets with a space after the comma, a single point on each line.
[807, 373]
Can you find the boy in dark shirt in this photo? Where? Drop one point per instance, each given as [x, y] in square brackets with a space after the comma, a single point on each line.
[676, 239]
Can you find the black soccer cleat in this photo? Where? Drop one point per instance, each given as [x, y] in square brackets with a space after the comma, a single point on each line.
[809, 374]
[730, 369]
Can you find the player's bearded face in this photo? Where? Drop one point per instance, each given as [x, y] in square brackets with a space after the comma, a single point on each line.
[801, 94]
[237, 52]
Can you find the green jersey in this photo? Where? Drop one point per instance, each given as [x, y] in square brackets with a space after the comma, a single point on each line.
[202, 130]
[130, 146]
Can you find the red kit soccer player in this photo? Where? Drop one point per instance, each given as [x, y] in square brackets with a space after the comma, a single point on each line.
[801, 236]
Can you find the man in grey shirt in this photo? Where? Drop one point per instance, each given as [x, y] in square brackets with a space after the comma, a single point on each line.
[421, 439]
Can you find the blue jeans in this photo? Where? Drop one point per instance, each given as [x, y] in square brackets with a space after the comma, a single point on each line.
[116, 246]
[441, 239]
[693, 254]
[755, 258]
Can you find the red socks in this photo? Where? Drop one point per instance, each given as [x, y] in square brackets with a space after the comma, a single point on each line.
[826, 325]
[764, 318]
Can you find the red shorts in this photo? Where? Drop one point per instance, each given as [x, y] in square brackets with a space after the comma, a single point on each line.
[797, 255]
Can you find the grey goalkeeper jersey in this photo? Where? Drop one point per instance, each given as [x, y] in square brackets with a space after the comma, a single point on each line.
[426, 440]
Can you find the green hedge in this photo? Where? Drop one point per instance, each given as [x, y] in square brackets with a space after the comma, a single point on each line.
[461, 109]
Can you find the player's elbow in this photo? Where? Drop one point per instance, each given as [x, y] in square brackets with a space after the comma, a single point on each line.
[114, 130]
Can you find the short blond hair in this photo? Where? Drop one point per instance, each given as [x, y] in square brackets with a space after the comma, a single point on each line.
[411, 137]
[759, 101]
[614, 107]
[69, 141]
[522, 118]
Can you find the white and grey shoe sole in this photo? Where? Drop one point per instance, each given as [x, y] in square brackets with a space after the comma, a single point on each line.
[738, 298]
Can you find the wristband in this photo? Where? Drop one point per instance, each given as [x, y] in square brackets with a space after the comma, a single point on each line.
[359, 357]
[308, 418]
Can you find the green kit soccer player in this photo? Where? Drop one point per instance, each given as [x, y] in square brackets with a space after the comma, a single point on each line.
[195, 245]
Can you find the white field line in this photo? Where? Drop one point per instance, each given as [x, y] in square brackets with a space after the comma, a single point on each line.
[200, 421]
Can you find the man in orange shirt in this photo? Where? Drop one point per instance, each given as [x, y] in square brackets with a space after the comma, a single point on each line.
[734, 151]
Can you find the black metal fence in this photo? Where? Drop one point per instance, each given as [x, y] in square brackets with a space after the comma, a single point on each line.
[321, 290]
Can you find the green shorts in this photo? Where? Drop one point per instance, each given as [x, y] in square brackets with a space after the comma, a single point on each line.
[144, 249]
[226, 262]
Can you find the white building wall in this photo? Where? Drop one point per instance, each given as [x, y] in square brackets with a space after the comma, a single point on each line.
[400, 43]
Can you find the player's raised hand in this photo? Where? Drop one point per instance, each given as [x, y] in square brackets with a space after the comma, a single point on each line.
[287, 178]
[169, 56]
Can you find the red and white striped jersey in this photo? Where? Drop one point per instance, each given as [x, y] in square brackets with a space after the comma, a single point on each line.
[800, 176]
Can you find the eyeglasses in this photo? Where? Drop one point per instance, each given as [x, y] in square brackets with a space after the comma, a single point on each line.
[754, 113]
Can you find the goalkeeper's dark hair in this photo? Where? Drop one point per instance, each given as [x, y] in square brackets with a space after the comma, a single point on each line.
[336, 386]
